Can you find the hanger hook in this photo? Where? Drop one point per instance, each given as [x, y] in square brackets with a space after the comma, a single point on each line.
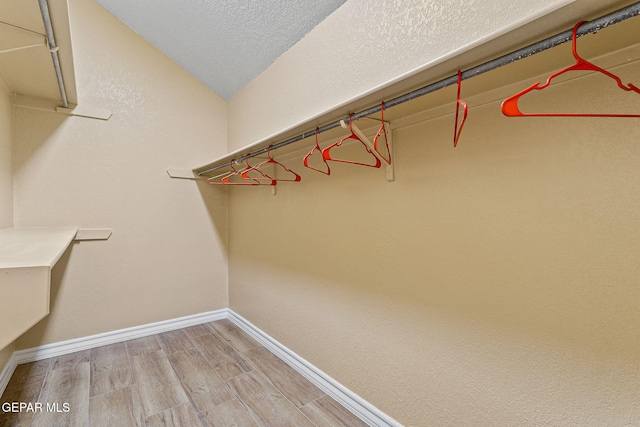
[305, 161]
[574, 44]
[457, 130]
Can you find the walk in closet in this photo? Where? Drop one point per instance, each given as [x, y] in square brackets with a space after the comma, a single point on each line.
[429, 210]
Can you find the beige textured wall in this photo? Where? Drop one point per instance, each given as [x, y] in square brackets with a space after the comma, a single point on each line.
[6, 170]
[492, 284]
[166, 256]
[6, 180]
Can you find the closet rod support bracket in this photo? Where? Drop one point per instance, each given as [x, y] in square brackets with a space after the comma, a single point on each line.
[390, 171]
[390, 176]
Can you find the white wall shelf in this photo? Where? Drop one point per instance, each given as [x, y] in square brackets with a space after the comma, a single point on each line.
[29, 72]
[27, 256]
[404, 97]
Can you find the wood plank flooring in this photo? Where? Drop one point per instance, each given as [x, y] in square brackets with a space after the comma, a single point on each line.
[210, 375]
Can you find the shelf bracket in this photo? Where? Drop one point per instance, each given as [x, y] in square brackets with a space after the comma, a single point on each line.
[85, 111]
[93, 234]
[73, 110]
[183, 174]
[21, 47]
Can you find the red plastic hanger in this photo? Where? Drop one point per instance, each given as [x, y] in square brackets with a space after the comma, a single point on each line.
[234, 172]
[317, 148]
[244, 173]
[510, 105]
[326, 153]
[382, 132]
[465, 110]
[294, 177]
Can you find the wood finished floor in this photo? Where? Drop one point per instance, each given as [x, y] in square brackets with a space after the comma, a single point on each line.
[209, 375]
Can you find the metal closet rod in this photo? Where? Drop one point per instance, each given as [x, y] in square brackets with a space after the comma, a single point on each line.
[53, 48]
[584, 29]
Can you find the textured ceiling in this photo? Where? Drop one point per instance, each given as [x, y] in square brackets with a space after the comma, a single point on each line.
[223, 43]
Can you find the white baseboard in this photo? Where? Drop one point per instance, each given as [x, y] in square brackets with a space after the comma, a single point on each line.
[354, 403]
[7, 372]
[93, 341]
